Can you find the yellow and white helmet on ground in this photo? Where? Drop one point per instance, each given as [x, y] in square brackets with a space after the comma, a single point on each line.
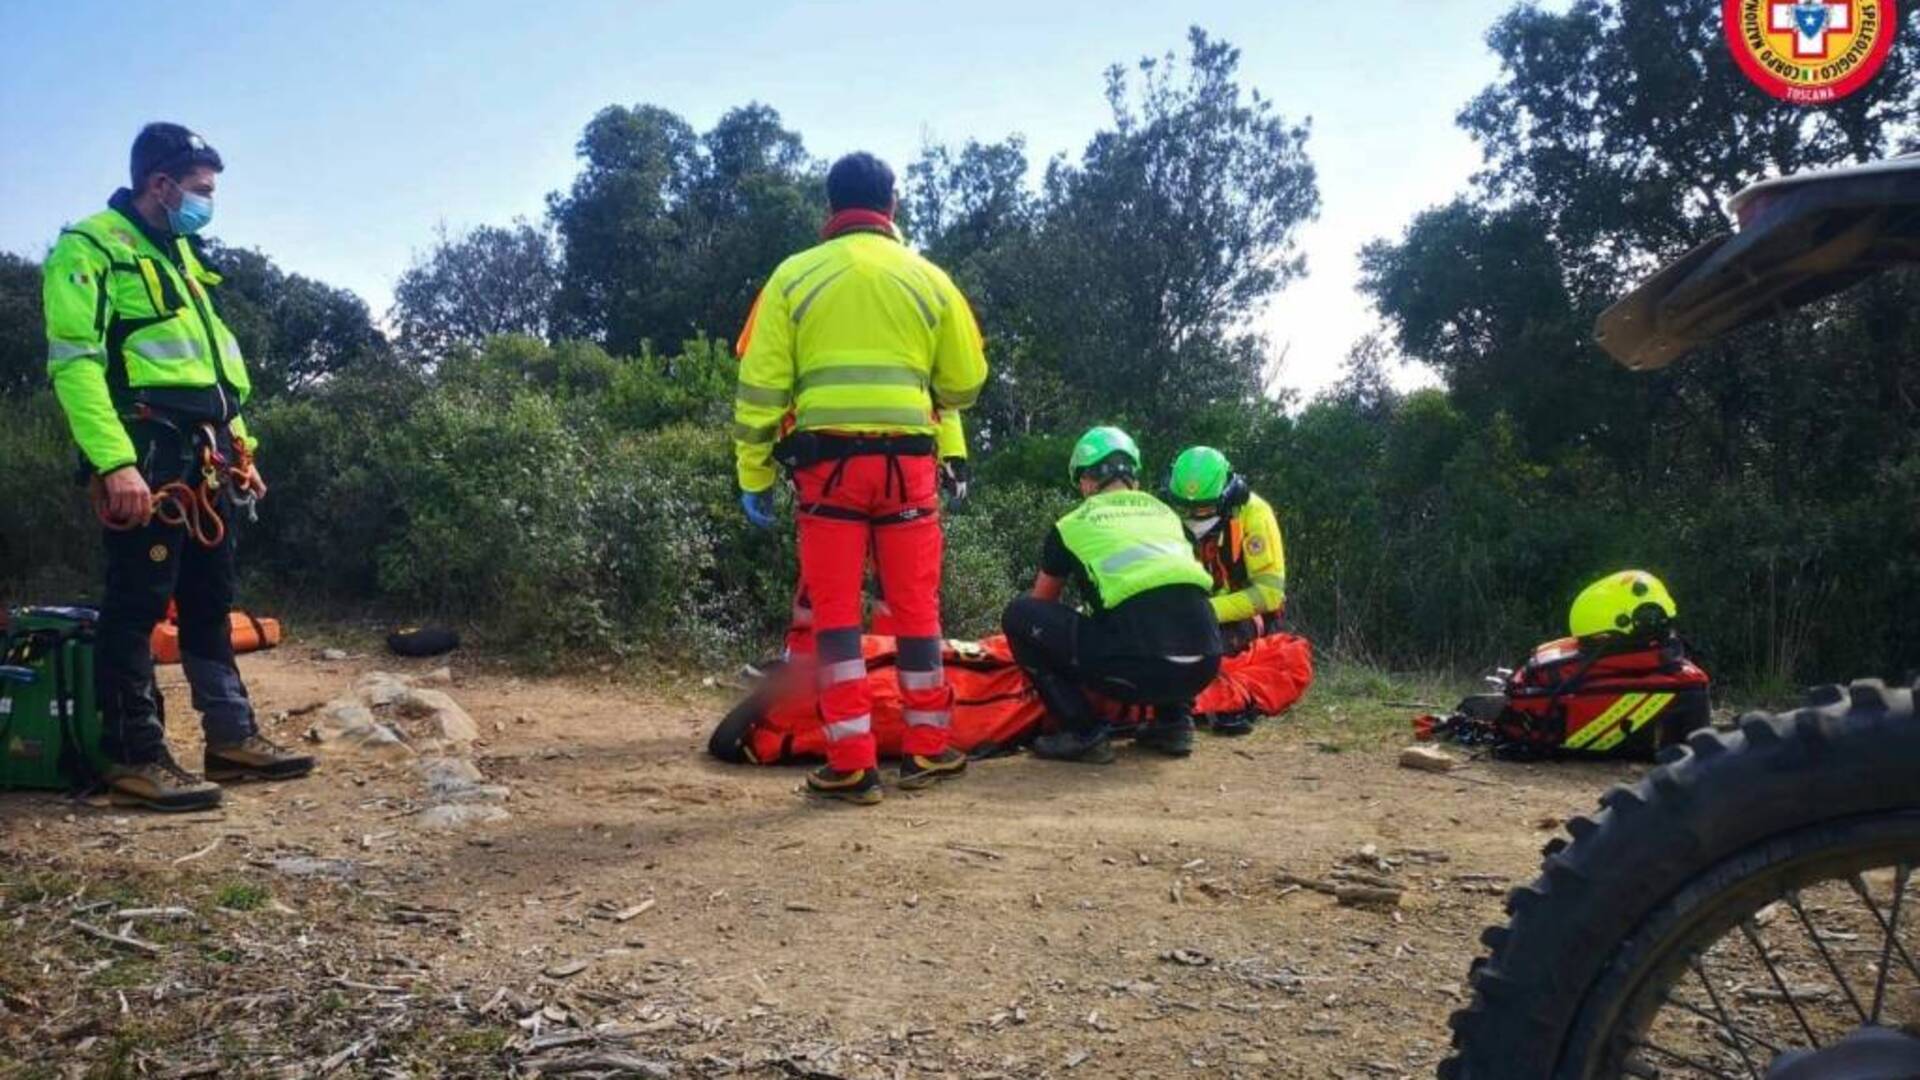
[1627, 602]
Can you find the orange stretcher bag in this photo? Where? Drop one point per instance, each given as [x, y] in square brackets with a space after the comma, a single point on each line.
[250, 634]
[995, 709]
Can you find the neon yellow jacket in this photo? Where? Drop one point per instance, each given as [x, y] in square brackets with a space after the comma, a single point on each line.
[950, 441]
[1248, 561]
[116, 302]
[856, 334]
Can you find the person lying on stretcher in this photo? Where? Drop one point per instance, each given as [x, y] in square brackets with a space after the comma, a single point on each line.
[1152, 638]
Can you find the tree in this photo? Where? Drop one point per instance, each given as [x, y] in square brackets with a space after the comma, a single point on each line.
[23, 327]
[293, 330]
[1129, 294]
[466, 289]
[668, 234]
[1613, 134]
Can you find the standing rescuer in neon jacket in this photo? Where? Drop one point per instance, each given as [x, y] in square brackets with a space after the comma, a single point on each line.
[868, 344]
[152, 383]
[950, 443]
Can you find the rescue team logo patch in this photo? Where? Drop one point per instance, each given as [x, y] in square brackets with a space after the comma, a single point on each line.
[1257, 546]
[1810, 52]
[158, 553]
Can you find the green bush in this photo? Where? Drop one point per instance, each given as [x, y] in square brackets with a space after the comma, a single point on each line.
[49, 540]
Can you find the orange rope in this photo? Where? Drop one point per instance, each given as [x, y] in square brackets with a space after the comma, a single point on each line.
[193, 507]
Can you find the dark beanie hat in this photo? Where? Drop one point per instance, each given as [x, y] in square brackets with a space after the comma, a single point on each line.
[172, 149]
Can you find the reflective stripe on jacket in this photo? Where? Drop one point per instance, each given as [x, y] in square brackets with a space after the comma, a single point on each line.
[1130, 542]
[115, 302]
[857, 334]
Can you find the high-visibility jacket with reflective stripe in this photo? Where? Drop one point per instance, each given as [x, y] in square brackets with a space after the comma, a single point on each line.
[1248, 563]
[1130, 542]
[114, 300]
[857, 334]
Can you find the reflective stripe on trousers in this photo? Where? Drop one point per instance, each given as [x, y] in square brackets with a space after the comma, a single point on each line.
[851, 728]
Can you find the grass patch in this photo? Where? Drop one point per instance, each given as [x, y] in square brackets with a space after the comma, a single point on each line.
[125, 973]
[1356, 706]
[241, 896]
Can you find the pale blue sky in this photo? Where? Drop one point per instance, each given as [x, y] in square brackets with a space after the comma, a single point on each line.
[351, 129]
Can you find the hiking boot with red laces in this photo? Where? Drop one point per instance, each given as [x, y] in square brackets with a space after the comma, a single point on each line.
[919, 771]
[860, 786]
[255, 757]
[160, 785]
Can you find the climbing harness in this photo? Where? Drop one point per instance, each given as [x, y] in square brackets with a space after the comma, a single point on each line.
[196, 507]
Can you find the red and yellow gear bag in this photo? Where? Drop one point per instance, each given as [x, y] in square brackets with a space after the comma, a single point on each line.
[1621, 699]
[995, 709]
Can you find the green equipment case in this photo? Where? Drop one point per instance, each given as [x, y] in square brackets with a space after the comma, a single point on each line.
[49, 722]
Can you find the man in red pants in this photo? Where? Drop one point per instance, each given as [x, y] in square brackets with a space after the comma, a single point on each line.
[866, 343]
[955, 478]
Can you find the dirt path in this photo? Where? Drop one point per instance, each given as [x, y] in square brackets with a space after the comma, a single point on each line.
[1035, 919]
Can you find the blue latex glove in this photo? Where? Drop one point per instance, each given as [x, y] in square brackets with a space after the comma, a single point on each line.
[759, 508]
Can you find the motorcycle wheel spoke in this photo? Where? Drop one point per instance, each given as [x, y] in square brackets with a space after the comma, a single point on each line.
[1691, 1063]
[1860, 890]
[1886, 946]
[1726, 1021]
[1690, 1007]
[1820, 945]
[1779, 983]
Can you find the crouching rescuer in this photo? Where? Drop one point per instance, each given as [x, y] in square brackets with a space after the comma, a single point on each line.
[152, 382]
[867, 344]
[1151, 638]
[1237, 538]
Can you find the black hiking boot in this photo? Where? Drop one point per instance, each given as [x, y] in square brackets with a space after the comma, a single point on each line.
[1090, 746]
[1170, 732]
[860, 787]
[918, 771]
[1240, 723]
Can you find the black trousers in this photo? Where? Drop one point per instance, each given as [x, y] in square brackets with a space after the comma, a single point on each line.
[146, 567]
[1066, 653]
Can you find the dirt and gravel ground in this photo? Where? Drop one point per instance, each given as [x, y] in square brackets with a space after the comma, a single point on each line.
[649, 911]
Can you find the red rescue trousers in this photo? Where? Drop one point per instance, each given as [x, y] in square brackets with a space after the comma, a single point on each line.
[887, 506]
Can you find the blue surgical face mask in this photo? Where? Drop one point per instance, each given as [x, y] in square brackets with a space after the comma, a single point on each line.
[192, 215]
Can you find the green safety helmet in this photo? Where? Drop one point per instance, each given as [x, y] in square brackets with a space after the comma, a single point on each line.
[1631, 601]
[1202, 482]
[1096, 447]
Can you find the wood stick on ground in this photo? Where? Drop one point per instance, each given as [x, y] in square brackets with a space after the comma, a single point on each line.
[602, 1061]
[167, 914]
[208, 850]
[351, 1051]
[984, 853]
[1359, 878]
[124, 941]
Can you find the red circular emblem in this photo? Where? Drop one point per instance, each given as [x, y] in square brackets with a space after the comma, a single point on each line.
[1810, 52]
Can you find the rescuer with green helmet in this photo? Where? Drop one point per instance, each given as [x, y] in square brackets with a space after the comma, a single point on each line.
[1150, 638]
[1236, 537]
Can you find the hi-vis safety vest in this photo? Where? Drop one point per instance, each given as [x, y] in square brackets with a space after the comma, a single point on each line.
[1248, 563]
[116, 302]
[1130, 542]
[857, 334]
